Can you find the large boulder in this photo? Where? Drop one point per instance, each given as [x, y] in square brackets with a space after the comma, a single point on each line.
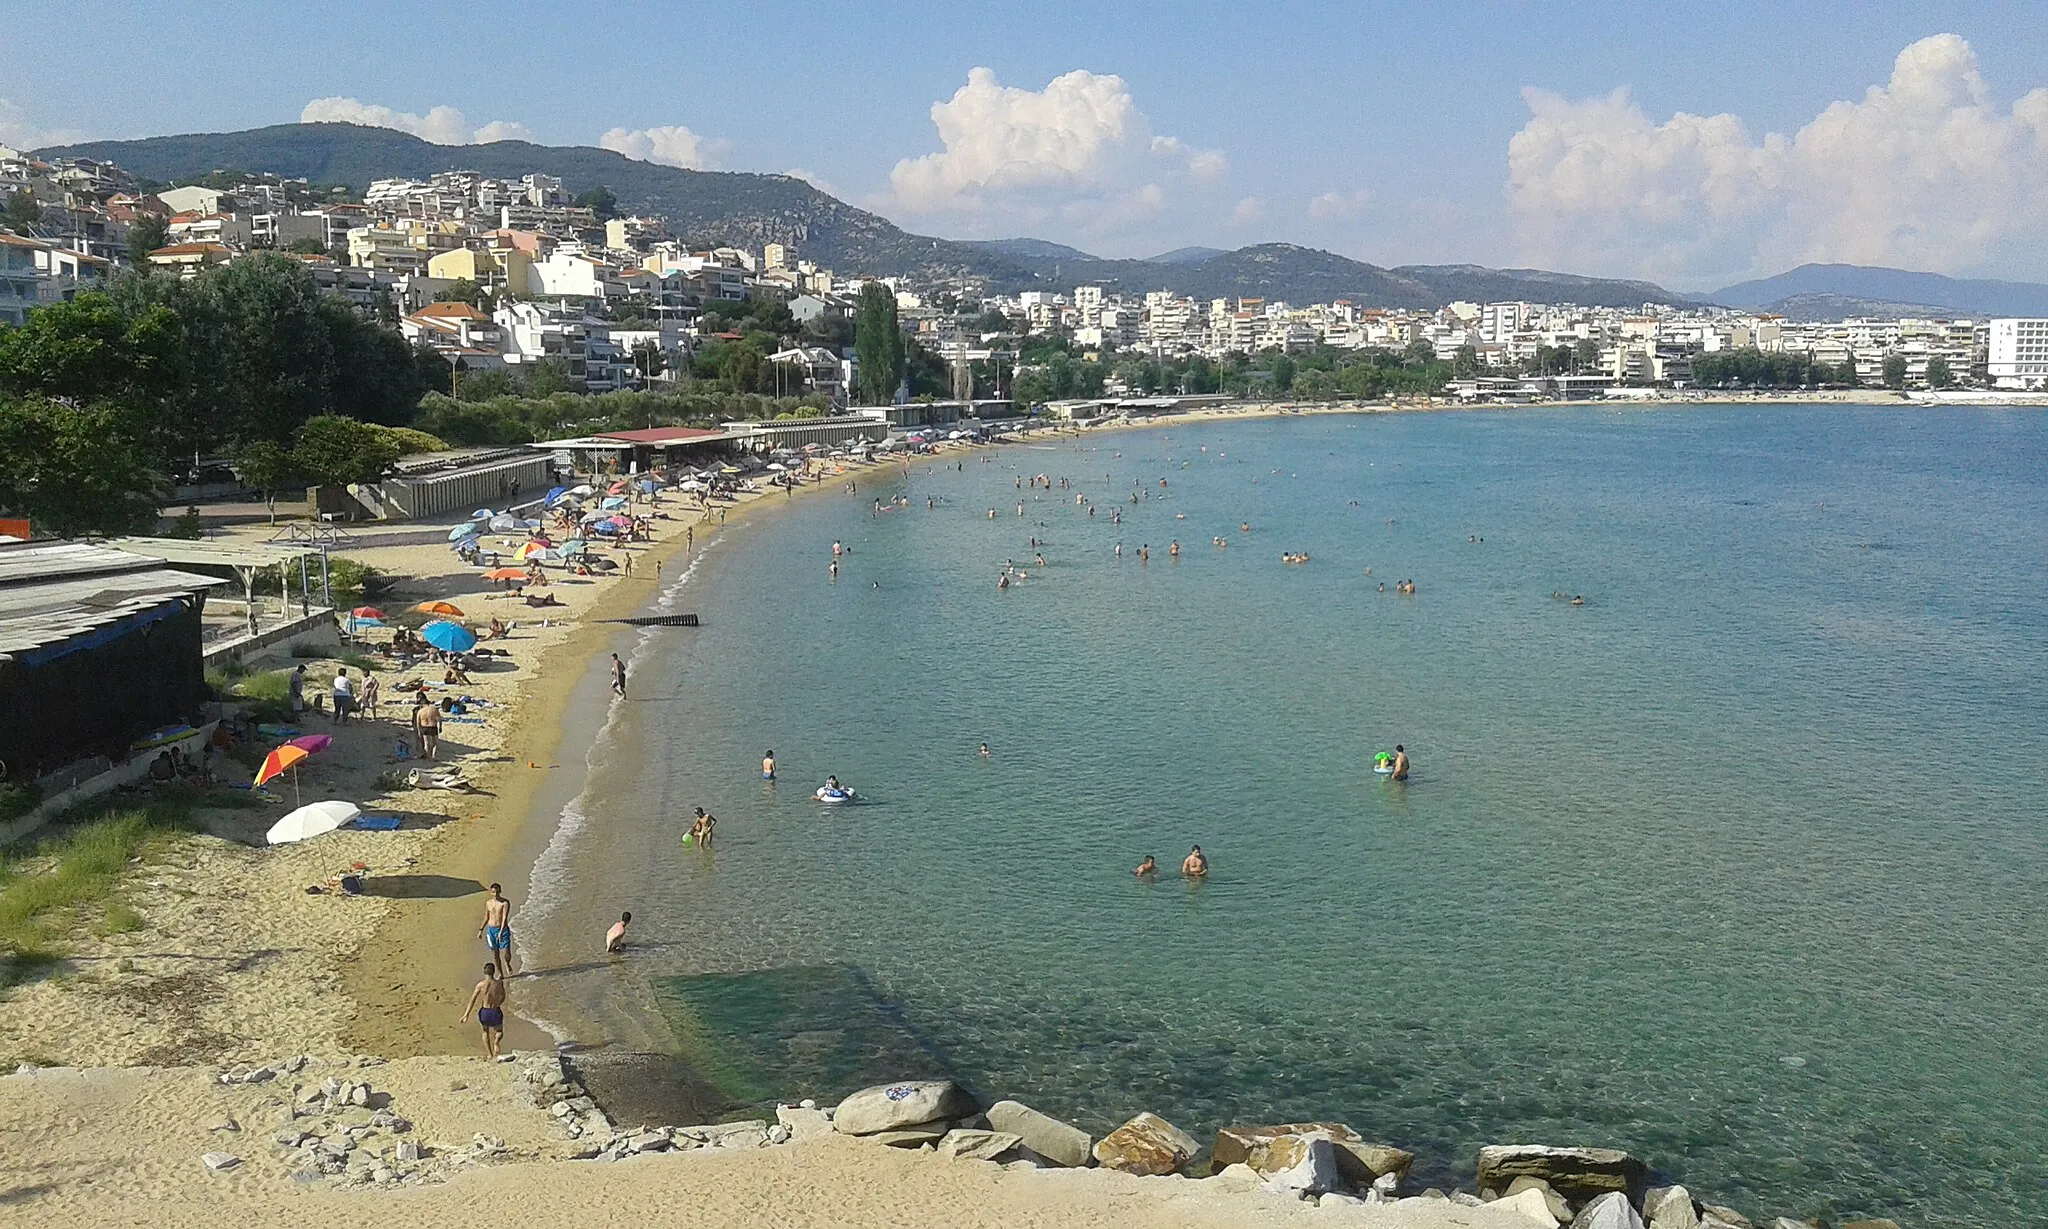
[1610, 1211]
[894, 1107]
[1718, 1216]
[1148, 1146]
[1531, 1204]
[1559, 1210]
[1579, 1174]
[1272, 1149]
[1314, 1174]
[1670, 1207]
[1043, 1134]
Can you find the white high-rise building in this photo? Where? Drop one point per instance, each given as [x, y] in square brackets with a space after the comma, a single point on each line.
[2018, 354]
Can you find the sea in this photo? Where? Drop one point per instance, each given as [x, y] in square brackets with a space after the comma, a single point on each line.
[1725, 840]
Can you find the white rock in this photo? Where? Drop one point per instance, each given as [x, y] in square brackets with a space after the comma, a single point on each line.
[778, 1134]
[1671, 1207]
[1335, 1200]
[1059, 1142]
[217, 1161]
[1531, 1205]
[1315, 1174]
[1609, 1211]
[259, 1075]
[890, 1107]
[407, 1151]
[977, 1145]
[807, 1104]
[359, 1095]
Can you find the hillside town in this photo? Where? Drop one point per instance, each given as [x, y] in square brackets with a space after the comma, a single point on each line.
[504, 275]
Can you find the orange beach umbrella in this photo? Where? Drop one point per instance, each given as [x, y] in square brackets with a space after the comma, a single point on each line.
[439, 608]
[505, 574]
[278, 761]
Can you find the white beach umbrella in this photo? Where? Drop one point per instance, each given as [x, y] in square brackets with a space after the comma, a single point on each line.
[311, 820]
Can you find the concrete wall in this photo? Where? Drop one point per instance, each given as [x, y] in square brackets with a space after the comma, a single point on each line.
[69, 792]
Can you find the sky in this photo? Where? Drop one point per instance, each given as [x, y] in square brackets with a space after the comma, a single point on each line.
[1693, 145]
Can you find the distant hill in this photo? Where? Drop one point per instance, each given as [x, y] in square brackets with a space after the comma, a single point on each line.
[1875, 291]
[1185, 256]
[709, 208]
[1038, 255]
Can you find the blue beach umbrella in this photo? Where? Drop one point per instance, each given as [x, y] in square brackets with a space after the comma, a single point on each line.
[554, 493]
[448, 637]
[572, 546]
[465, 529]
[616, 501]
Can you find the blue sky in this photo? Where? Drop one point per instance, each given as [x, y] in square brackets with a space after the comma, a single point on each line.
[1747, 140]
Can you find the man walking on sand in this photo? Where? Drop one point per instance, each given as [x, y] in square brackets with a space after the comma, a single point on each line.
[488, 1002]
[426, 725]
[615, 938]
[618, 677]
[496, 932]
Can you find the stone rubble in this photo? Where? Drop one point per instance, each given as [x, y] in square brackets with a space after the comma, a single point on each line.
[343, 1129]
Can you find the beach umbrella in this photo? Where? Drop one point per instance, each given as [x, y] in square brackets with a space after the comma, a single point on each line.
[690, 484]
[580, 491]
[506, 524]
[355, 622]
[647, 485]
[554, 493]
[311, 820]
[439, 608]
[504, 574]
[279, 761]
[778, 467]
[573, 545]
[531, 550]
[367, 612]
[603, 565]
[615, 501]
[616, 488]
[481, 514]
[311, 743]
[448, 637]
[465, 529]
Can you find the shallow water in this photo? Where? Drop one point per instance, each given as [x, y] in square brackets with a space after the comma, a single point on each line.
[1737, 865]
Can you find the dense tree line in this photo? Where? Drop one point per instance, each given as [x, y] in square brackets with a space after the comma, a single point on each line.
[518, 419]
[1749, 367]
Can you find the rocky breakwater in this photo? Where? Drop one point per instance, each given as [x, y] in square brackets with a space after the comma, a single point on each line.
[1325, 1163]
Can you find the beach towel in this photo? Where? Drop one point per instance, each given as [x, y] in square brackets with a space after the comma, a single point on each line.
[376, 823]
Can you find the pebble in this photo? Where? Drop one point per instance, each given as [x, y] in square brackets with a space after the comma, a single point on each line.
[218, 1161]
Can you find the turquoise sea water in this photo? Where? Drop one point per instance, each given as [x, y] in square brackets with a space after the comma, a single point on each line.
[1738, 865]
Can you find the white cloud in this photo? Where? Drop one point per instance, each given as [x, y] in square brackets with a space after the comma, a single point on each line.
[1925, 171]
[442, 125]
[673, 145]
[1250, 209]
[503, 130]
[1078, 151]
[17, 132]
[1339, 206]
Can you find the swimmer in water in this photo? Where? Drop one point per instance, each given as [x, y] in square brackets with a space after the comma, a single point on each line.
[984, 751]
[1400, 762]
[1173, 549]
[768, 766]
[1245, 528]
[1150, 866]
[1195, 865]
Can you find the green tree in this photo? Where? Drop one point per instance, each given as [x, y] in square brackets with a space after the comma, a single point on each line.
[1585, 356]
[548, 377]
[1895, 371]
[266, 466]
[600, 201]
[1283, 373]
[306, 245]
[877, 344]
[648, 359]
[146, 234]
[334, 451]
[76, 470]
[22, 209]
[90, 350]
[1938, 374]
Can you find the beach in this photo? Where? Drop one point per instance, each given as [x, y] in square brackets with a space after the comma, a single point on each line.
[235, 962]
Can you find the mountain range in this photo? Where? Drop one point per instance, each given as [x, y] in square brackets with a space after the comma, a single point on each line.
[1830, 292]
[707, 208]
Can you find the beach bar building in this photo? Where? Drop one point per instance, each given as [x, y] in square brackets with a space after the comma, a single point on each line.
[645, 450]
[99, 648]
[436, 483]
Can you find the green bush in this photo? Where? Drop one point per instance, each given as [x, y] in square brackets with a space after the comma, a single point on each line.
[18, 798]
[269, 685]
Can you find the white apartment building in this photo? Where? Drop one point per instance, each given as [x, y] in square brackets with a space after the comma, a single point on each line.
[533, 332]
[1087, 304]
[2016, 356]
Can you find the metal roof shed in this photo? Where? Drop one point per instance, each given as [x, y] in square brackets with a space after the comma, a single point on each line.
[97, 648]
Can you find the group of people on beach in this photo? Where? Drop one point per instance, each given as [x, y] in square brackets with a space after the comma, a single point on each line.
[487, 998]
